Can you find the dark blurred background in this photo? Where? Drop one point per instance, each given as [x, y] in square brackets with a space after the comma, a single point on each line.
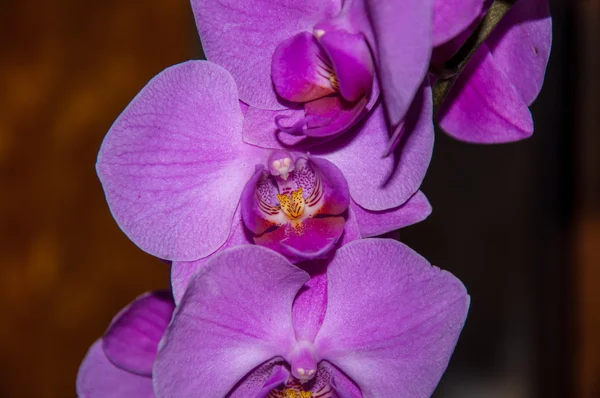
[518, 223]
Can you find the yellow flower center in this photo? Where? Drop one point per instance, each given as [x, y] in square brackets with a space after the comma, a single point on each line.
[289, 393]
[292, 205]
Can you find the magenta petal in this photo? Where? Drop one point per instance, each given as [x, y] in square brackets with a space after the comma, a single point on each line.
[521, 46]
[99, 378]
[313, 240]
[298, 69]
[182, 271]
[233, 317]
[131, 341]
[242, 36]
[172, 155]
[392, 319]
[374, 223]
[451, 17]
[402, 47]
[483, 106]
[382, 184]
[352, 62]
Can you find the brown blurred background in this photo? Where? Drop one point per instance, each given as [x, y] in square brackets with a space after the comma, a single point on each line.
[518, 223]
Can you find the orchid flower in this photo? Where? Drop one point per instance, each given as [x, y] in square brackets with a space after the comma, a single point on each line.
[182, 183]
[490, 98]
[120, 364]
[377, 320]
[323, 58]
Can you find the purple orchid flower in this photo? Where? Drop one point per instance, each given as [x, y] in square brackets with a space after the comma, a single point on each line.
[490, 99]
[120, 364]
[182, 183]
[376, 321]
[323, 59]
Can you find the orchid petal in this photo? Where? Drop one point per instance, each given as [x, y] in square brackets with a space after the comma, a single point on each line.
[330, 116]
[451, 17]
[131, 341]
[402, 47]
[99, 378]
[392, 319]
[374, 223]
[260, 128]
[313, 240]
[171, 155]
[352, 62]
[336, 194]
[343, 386]
[220, 332]
[483, 106]
[242, 36]
[298, 69]
[259, 382]
[182, 271]
[351, 229]
[308, 310]
[252, 215]
[381, 184]
[521, 46]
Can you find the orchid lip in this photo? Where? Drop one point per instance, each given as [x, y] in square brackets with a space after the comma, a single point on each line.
[296, 205]
[331, 72]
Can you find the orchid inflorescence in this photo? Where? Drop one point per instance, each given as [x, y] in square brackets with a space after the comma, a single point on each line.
[264, 175]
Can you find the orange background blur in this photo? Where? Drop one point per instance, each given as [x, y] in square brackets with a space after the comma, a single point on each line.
[67, 69]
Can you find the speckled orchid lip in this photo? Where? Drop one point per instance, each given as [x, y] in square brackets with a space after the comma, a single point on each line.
[295, 204]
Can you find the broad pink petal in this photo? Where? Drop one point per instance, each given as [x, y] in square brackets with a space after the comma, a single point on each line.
[483, 106]
[131, 341]
[378, 183]
[99, 378]
[402, 47]
[351, 59]
[172, 155]
[374, 223]
[242, 36]
[392, 319]
[451, 17]
[220, 331]
[298, 69]
[182, 271]
[521, 46]
[315, 238]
